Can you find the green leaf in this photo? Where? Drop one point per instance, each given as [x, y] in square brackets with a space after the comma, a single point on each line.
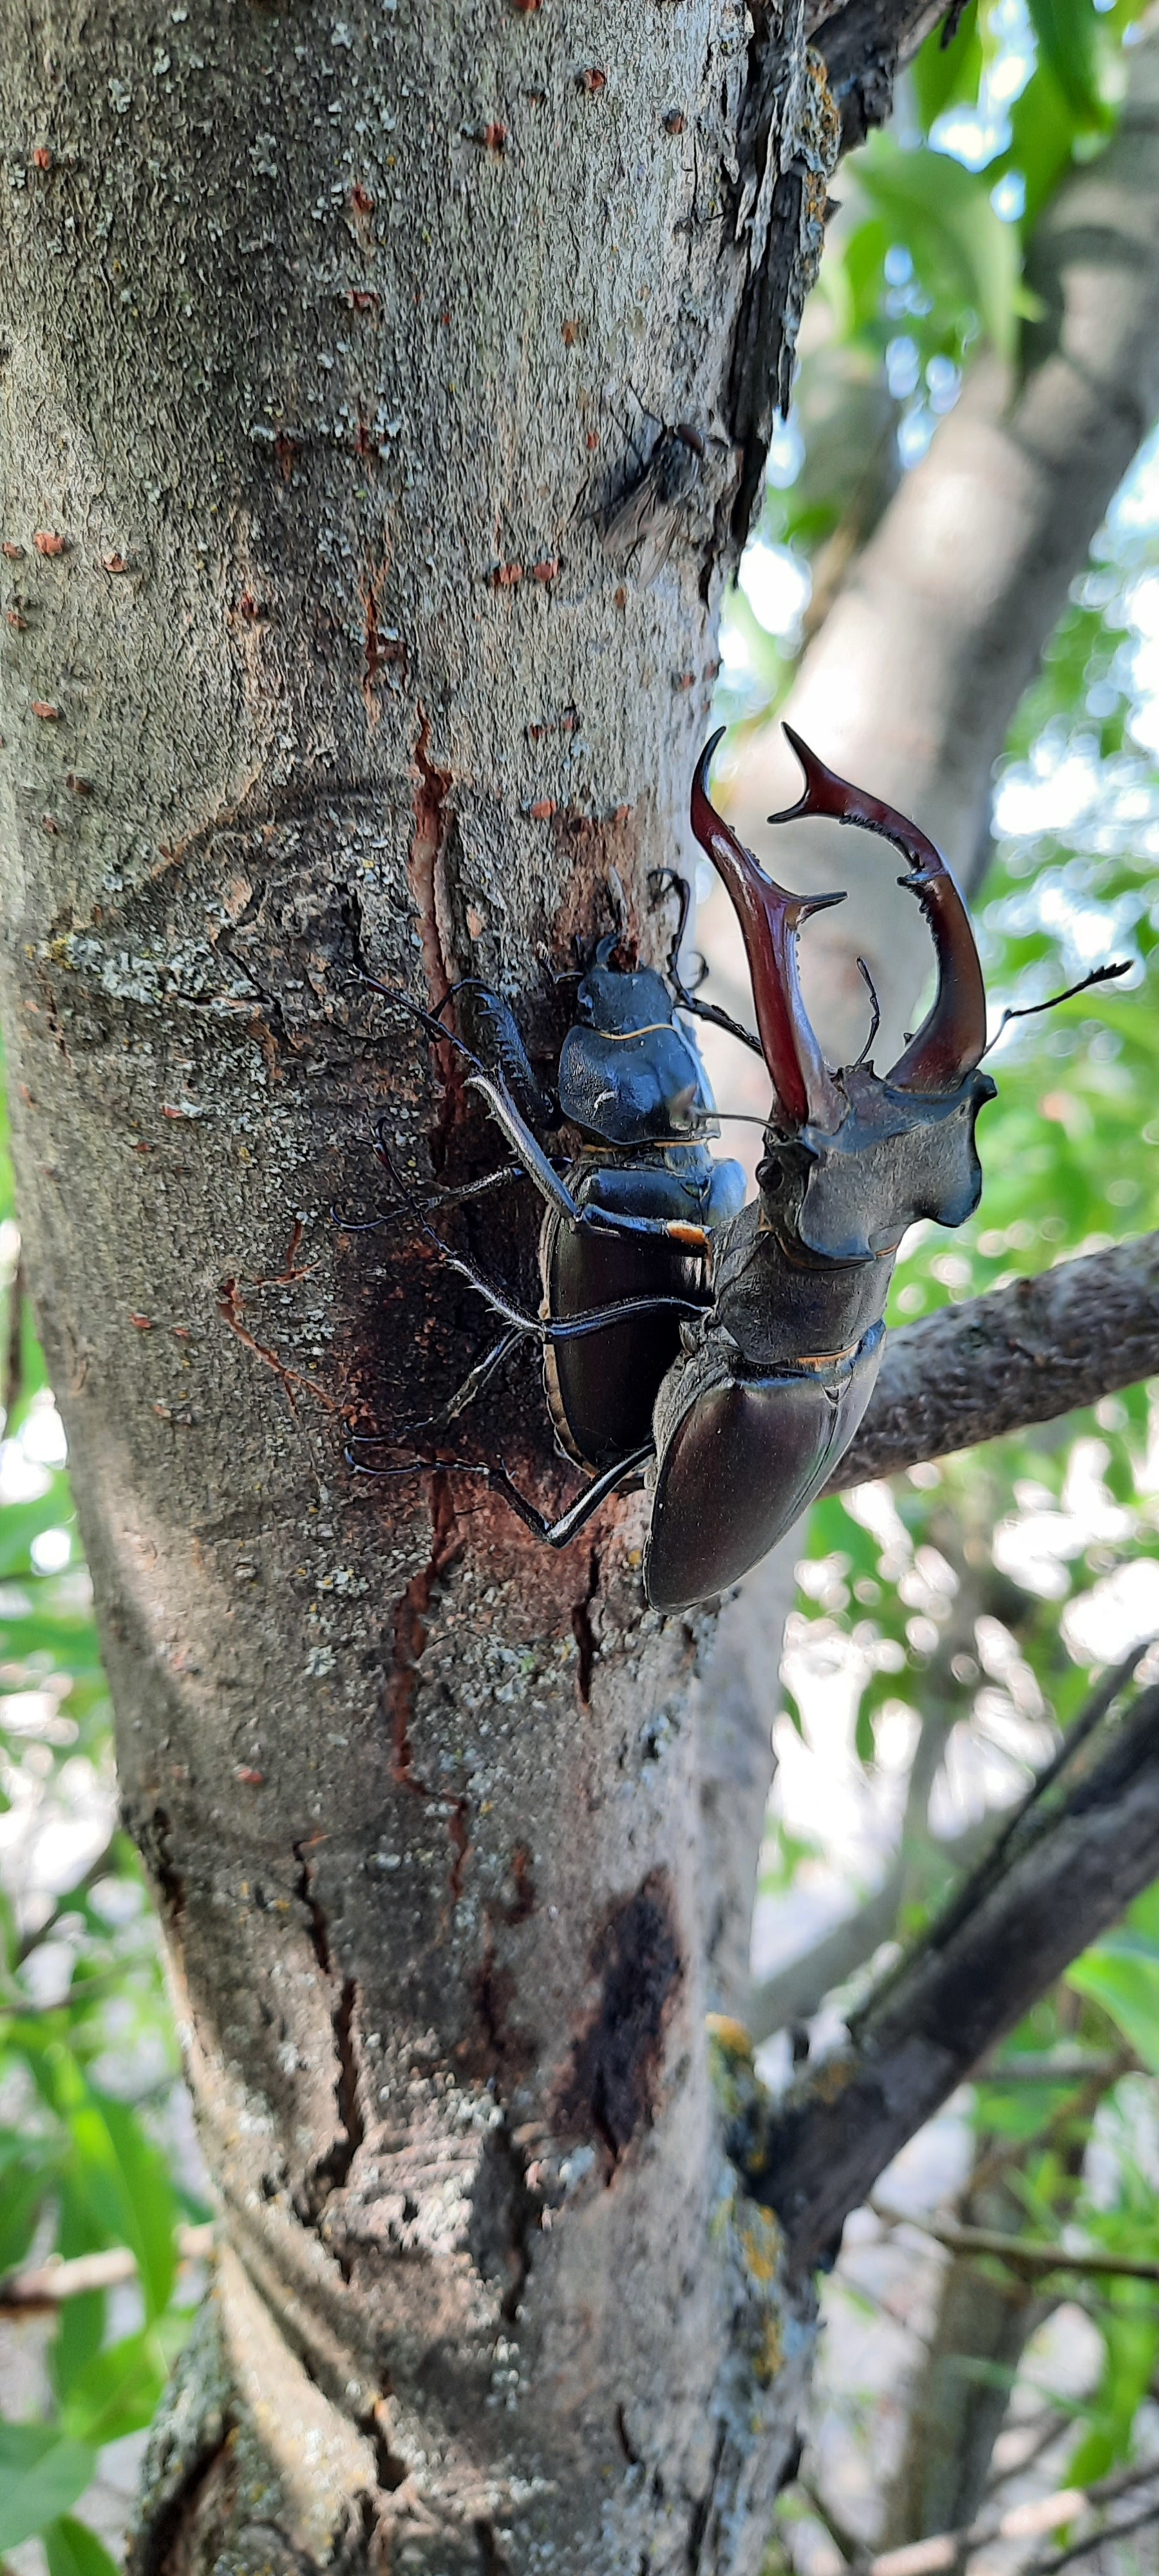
[78, 2338]
[117, 2391]
[20, 1523]
[42, 2472]
[73, 2550]
[944, 74]
[943, 215]
[1123, 1977]
[1068, 35]
[1043, 135]
[127, 2185]
[20, 2202]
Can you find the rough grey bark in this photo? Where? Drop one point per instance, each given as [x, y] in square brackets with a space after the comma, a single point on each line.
[328, 341]
[1021, 1354]
[910, 685]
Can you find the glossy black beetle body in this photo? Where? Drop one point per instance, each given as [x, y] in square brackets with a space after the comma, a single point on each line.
[625, 1245]
[770, 1388]
[632, 1081]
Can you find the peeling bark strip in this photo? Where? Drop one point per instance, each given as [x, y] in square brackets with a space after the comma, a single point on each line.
[1068, 1865]
[1022, 1354]
[331, 398]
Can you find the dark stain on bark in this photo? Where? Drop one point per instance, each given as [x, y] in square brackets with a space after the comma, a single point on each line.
[498, 2047]
[173, 2542]
[611, 2084]
[591, 845]
[425, 865]
[491, 2562]
[523, 1898]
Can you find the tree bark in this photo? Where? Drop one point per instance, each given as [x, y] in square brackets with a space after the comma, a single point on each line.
[327, 344]
[1021, 1354]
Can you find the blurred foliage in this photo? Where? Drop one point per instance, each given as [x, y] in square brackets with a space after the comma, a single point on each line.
[88, 2058]
[966, 1608]
[929, 259]
[948, 1627]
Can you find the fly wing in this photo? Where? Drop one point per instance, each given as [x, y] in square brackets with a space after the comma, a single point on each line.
[627, 522]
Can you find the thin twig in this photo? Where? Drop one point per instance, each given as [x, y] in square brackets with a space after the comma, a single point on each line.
[844, 2540]
[1094, 2540]
[48, 2285]
[944, 2551]
[1022, 2254]
[1052, 2429]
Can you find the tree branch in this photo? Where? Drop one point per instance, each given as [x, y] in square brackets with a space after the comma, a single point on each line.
[1021, 1354]
[947, 2550]
[48, 2285]
[1073, 1857]
[864, 46]
[1023, 2255]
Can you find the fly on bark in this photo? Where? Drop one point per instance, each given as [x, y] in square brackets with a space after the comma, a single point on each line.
[642, 523]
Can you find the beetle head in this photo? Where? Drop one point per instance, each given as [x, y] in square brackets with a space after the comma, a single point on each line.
[627, 1072]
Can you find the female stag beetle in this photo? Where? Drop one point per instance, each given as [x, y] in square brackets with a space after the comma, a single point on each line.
[730, 1350]
[629, 1218]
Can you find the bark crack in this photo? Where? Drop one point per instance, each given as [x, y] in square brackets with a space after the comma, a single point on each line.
[427, 849]
[329, 2171]
[583, 1631]
[410, 1633]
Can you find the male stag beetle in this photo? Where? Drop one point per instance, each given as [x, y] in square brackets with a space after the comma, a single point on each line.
[770, 1388]
[625, 1246]
[728, 1350]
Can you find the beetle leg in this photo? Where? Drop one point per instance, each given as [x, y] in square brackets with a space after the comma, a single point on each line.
[566, 1329]
[557, 1533]
[480, 1375]
[594, 1219]
[539, 1170]
[439, 1198]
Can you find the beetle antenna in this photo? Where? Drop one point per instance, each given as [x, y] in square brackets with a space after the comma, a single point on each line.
[1027, 1011]
[667, 881]
[875, 1007]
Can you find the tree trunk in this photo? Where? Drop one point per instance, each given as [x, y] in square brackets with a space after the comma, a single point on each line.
[328, 342]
